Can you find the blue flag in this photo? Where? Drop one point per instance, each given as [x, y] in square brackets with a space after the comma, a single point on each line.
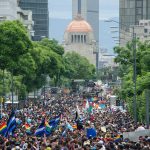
[11, 124]
[54, 122]
[91, 133]
[41, 129]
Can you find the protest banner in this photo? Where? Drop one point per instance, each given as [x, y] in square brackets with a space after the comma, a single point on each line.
[134, 136]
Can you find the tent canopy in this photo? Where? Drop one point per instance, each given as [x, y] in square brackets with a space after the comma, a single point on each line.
[9, 102]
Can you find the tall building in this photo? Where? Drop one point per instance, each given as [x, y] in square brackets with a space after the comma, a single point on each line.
[89, 10]
[130, 13]
[40, 16]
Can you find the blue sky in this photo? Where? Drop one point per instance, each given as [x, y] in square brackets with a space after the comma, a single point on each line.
[62, 9]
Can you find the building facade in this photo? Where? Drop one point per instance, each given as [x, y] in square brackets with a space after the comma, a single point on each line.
[25, 16]
[142, 31]
[131, 12]
[8, 9]
[79, 38]
[40, 16]
[89, 10]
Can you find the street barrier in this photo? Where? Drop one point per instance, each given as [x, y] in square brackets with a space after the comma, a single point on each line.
[134, 136]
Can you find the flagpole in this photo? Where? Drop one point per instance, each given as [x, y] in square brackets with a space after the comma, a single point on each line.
[1, 106]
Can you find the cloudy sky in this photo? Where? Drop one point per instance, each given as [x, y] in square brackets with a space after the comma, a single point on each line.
[62, 9]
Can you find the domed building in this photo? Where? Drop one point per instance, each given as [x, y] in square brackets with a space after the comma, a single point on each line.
[79, 37]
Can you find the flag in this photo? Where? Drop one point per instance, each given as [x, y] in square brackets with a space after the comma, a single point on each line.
[79, 124]
[102, 106]
[27, 126]
[64, 133]
[91, 133]
[87, 105]
[103, 129]
[69, 127]
[28, 129]
[74, 126]
[90, 110]
[11, 124]
[41, 129]
[117, 139]
[48, 128]
[3, 128]
[55, 120]
[77, 113]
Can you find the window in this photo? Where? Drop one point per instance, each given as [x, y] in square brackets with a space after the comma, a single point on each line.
[139, 11]
[145, 31]
[81, 38]
[84, 38]
[75, 38]
[78, 38]
[139, 3]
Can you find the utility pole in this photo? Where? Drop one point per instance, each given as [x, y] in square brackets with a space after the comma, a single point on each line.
[134, 76]
[3, 85]
[12, 90]
[147, 94]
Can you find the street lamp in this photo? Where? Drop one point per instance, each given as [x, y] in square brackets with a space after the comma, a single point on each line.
[134, 65]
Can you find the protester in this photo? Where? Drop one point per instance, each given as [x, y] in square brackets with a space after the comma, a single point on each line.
[68, 123]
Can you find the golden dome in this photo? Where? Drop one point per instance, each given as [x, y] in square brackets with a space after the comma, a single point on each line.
[79, 25]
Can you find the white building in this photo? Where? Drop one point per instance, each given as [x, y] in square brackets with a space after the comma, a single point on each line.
[142, 32]
[9, 10]
[79, 38]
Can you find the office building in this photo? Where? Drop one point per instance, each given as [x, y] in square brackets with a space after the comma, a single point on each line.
[131, 12]
[40, 16]
[142, 31]
[89, 10]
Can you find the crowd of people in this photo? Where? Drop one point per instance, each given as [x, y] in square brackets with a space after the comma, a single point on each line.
[71, 130]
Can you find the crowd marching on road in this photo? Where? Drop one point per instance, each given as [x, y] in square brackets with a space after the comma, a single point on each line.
[68, 122]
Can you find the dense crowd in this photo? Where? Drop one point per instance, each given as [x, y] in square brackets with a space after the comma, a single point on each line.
[109, 125]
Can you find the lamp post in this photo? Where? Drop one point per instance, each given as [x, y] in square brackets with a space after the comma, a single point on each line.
[12, 92]
[134, 64]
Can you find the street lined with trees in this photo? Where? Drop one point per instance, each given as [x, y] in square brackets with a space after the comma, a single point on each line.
[25, 65]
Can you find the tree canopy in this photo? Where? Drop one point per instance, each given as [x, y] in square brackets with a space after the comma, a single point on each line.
[125, 60]
[30, 63]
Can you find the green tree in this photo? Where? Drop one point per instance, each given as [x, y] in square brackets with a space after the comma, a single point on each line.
[14, 45]
[78, 67]
[14, 42]
[52, 45]
[125, 60]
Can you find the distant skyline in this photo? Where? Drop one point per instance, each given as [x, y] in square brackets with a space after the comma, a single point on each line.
[62, 9]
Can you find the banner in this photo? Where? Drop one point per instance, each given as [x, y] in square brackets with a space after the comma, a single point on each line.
[134, 136]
